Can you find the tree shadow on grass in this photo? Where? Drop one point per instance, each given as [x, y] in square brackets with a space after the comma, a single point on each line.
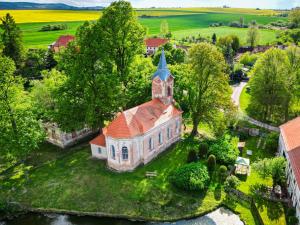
[218, 192]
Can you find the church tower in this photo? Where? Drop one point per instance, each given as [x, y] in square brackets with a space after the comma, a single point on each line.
[163, 82]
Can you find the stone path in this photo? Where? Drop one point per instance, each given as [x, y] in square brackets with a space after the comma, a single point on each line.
[220, 216]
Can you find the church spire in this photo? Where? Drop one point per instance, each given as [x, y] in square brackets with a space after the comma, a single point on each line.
[162, 70]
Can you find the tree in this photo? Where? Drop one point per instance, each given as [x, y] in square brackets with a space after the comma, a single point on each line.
[122, 37]
[294, 17]
[50, 62]
[253, 36]
[274, 167]
[211, 162]
[173, 55]
[229, 46]
[207, 85]
[192, 156]
[12, 40]
[232, 182]
[214, 38]
[272, 86]
[20, 131]
[164, 28]
[242, 22]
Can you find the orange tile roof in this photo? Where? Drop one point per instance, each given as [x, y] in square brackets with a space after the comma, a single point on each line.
[155, 42]
[99, 140]
[291, 133]
[140, 119]
[291, 136]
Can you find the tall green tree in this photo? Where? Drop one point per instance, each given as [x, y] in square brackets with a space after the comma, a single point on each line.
[20, 130]
[229, 46]
[164, 28]
[272, 86]
[253, 35]
[123, 36]
[12, 39]
[208, 88]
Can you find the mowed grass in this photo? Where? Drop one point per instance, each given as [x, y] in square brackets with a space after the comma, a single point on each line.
[180, 25]
[78, 182]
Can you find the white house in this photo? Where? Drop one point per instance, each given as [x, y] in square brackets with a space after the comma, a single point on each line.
[153, 44]
[289, 147]
[138, 135]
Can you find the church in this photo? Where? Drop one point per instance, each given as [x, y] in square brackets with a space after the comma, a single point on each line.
[138, 135]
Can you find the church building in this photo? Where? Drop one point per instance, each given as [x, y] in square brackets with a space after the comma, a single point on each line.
[139, 134]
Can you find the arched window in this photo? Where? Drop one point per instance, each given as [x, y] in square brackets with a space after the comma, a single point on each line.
[177, 127]
[169, 91]
[169, 132]
[160, 138]
[113, 152]
[125, 153]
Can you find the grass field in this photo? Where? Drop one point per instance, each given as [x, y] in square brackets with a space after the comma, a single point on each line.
[180, 25]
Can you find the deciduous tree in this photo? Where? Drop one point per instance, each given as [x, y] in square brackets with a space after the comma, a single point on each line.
[253, 35]
[207, 85]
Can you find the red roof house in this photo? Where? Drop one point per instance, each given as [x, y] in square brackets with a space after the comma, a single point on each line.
[152, 44]
[62, 41]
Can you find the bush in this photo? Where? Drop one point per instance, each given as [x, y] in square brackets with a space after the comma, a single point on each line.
[293, 220]
[225, 149]
[248, 59]
[223, 172]
[211, 162]
[54, 27]
[190, 177]
[232, 182]
[192, 156]
[203, 150]
[272, 142]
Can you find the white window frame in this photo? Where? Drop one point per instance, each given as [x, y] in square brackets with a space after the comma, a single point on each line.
[99, 150]
[127, 153]
[160, 138]
[113, 152]
[151, 144]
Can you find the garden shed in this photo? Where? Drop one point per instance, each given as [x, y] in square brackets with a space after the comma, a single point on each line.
[242, 166]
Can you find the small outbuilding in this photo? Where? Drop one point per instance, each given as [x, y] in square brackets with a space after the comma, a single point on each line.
[242, 166]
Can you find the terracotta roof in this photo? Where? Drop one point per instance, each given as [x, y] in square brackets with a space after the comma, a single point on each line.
[99, 140]
[63, 41]
[291, 134]
[155, 42]
[140, 119]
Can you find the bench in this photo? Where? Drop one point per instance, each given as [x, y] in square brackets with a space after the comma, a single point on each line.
[151, 174]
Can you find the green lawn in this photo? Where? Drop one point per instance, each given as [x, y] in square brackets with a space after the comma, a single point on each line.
[78, 182]
[180, 26]
[244, 100]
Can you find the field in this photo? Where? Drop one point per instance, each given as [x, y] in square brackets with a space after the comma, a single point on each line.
[182, 22]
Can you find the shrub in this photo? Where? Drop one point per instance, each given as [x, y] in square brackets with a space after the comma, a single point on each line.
[54, 27]
[293, 220]
[211, 162]
[232, 182]
[225, 149]
[272, 142]
[248, 59]
[192, 156]
[190, 177]
[203, 150]
[223, 172]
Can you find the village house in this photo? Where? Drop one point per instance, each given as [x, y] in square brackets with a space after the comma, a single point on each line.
[139, 134]
[153, 44]
[56, 136]
[61, 42]
[289, 147]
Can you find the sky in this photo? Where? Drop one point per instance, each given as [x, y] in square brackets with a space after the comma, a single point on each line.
[268, 4]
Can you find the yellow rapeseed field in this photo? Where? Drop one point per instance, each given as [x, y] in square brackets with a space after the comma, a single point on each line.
[34, 16]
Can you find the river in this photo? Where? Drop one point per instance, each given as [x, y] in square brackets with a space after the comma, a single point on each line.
[220, 216]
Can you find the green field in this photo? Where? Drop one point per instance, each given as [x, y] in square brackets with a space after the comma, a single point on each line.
[180, 26]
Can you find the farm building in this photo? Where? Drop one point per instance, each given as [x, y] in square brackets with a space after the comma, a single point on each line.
[61, 42]
[289, 147]
[139, 134]
[152, 44]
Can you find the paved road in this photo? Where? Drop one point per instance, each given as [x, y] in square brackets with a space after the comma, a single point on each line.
[237, 91]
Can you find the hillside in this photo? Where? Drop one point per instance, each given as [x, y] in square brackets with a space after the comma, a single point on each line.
[31, 5]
